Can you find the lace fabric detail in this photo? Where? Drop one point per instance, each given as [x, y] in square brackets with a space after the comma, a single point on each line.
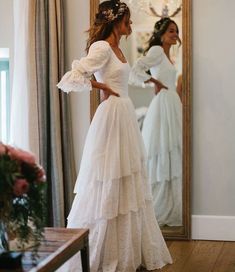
[78, 79]
[124, 243]
[74, 81]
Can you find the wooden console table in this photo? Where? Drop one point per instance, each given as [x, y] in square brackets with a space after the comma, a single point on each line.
[60, 245]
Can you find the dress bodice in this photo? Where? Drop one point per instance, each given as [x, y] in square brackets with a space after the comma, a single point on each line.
[115, 74]
[159, 65]
[165, 72]
[104, 64]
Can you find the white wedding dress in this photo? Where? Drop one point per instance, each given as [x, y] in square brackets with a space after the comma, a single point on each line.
[162, 135]
[113, 197]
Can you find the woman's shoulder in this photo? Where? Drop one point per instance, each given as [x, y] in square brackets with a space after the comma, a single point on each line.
[100, 51]
[155, 53]
[100, 45]
[156, 49]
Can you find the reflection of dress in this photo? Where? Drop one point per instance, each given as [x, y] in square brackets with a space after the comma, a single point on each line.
[112, 197]
[162, 134]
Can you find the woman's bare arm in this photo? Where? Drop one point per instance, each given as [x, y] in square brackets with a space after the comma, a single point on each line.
[107, 91]
[158, 84]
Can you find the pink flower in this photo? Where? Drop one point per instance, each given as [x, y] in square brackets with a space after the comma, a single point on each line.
[21, 187]
[21, 155]
[2, 149]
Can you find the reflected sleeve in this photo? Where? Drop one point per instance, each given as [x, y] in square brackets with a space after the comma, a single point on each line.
[78, 79]
[138, 74]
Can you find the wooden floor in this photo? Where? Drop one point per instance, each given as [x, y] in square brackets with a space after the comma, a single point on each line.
[201, 256]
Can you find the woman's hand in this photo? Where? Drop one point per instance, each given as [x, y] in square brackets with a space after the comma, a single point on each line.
[158, 85]
[107, 91]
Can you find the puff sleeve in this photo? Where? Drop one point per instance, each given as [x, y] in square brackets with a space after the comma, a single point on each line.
[78, 79]
[138, 74]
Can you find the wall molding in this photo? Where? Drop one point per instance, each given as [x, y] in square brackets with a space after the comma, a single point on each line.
[207, 227]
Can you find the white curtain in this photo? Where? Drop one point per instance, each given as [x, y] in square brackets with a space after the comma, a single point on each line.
[24, 125]
[40, 115]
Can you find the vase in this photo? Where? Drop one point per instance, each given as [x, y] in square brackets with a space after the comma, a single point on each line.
[8, 259]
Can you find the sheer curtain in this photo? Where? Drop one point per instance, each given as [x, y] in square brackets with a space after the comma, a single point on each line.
[40, 117]
[24, 126]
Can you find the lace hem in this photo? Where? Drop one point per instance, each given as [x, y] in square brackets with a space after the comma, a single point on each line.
[124, 243]
[74, 81]
[106, 200]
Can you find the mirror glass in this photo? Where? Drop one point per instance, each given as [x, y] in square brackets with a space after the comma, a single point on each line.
[159, 114]
[163, 116]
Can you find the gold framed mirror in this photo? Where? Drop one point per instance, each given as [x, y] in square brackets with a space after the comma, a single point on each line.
[183, 230]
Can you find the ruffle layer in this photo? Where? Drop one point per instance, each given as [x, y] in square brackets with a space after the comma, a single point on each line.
[114, 146]
[74, 81]
[106, 200]
[165, 166]
[162, 135]
[124, 243]
[113, 196]
[167, 199]
[114, 181]
[162, 127]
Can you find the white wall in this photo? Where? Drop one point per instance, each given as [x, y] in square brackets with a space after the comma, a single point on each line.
[213, 190]
[6, 22]
[213, 179]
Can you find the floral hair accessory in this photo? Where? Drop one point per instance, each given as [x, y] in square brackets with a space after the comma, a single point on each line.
[160, 25]
[111, 16]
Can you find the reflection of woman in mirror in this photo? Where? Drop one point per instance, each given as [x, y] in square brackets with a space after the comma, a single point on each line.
[162, 127]
[113, 198]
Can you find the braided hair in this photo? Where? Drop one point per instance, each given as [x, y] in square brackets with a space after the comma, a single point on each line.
[109, 14]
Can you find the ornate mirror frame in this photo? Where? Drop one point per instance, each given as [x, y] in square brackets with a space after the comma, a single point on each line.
[184, 232]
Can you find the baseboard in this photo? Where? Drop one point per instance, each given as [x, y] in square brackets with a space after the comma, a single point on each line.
[207, 227]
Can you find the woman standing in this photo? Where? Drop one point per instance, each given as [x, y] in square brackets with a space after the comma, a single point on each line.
[112, 197]
[162, 126]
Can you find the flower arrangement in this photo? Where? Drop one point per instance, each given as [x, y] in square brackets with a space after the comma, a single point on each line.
[22, 195]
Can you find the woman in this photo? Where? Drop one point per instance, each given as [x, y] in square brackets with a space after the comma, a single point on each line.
[162, 126]
[112, 196]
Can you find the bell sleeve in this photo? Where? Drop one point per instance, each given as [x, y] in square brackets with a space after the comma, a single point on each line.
[78, 79]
